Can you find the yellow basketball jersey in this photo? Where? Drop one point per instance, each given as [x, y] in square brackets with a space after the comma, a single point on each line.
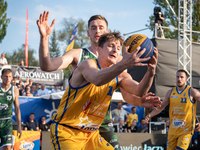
[85, 107]
[182, 112]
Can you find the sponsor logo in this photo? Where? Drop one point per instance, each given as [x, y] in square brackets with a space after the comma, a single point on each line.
[184, 94]
[85, 124]
[26, 145]
[146, 147]
[176, 123]
[174, 96]
[50, 113]
[87, 105]
[100, 139]
[3, 106]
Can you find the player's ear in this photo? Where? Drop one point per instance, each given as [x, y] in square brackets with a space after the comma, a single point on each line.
[88, 34]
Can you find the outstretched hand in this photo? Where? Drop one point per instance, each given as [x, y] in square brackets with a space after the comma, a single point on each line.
[153, 62]
[197, 128]
[43, 25]
[19, 131]
[133, 59]
[151, 101]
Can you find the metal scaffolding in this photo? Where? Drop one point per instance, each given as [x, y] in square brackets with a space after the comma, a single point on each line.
[185, 37]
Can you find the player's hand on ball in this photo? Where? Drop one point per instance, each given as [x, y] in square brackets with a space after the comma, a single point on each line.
[153, 62]
[197, 127]
[133, 59]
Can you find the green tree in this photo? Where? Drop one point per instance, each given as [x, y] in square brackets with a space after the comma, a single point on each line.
[3, 19]
[171, 20]
[81, 38]
[53, 46]
[16, 56]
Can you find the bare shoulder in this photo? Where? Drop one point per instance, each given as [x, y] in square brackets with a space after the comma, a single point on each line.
[168, 92]
[87, 62]
[194, 91]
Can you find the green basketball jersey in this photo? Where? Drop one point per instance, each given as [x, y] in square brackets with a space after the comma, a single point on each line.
[6, 103]
[87, 54]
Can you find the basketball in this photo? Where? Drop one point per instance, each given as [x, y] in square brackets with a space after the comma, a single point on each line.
[139, 40]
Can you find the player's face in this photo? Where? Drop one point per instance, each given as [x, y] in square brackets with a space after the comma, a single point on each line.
[7, 78]
[96, 29]
[181, 79]
[134, 110]
[111, 51]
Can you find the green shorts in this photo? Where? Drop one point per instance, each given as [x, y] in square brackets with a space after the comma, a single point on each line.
[107, 132]
[5, 132]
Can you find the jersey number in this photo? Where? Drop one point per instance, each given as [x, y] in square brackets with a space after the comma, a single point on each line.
[183, 100]
[110, 91]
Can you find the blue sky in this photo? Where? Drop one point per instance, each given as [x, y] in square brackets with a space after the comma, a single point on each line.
[126, 16]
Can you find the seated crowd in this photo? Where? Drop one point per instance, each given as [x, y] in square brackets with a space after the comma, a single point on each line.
[28, 88]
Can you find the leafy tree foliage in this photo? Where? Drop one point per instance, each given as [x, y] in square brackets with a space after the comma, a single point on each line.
[53, 46]
[16, 56]
[171, 20]
[81, 38]
[3, 19]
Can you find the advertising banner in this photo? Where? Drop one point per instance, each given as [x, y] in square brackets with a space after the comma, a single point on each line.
[48, 107]
[30, 140]
[39, 76]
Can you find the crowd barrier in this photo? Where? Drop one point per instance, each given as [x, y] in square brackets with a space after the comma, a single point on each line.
[128, 141]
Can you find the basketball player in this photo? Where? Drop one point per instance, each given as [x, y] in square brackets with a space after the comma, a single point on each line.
[87, 98]
[8, 95]
[182, 112]
[97, 25]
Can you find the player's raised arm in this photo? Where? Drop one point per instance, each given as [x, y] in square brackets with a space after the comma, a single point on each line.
[46, 63]
[17, 111]
[165, 102]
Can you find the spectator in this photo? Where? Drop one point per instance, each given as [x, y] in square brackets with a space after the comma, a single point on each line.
[122, 126]
[31, 124]
[43, 126]
[28, 92]
[62, 89]
[143, 125]
[55, 89]
[21, 88]
[42, 91]
[133, 127]
[37, 86]
[33, 90]
[132, 116]
[119, 113]
[27, 82]
[14, 81]
[21, 63]
[167, 125]
[30, 82]
[3, 60]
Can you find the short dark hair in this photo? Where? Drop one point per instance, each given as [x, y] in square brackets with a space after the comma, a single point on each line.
[110, 36]
[97, 17]
[6, 71]
[32, 114]
[132, 108]
[182, 70]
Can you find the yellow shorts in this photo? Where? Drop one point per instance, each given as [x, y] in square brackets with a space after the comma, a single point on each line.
[178, 141]
[65, 138]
